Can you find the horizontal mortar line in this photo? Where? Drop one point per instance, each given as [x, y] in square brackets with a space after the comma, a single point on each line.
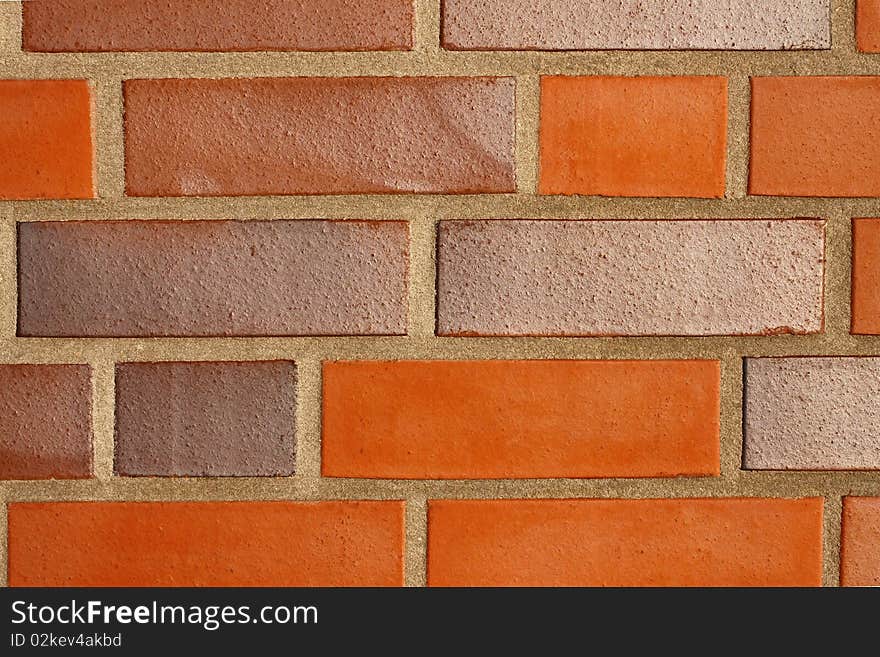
[64, 350]
[426, 207]
[746, 484]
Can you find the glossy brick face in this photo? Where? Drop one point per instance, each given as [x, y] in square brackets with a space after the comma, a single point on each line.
[319, 136]
[217, 25]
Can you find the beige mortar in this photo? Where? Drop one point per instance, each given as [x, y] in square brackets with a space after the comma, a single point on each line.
[108, 70]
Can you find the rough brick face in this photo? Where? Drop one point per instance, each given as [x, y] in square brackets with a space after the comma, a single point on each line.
[510, 419]
[860, 544]
[319, 136]
[633, 136]
[815, 136]
[231, 25]
[581, 277]
[651, 24]
[210, 278]
[205, 419]
[45, 422]
[868, 25]
[46, 139]
[812, 413]
[206, 544]
[723, 542]
[866, 277]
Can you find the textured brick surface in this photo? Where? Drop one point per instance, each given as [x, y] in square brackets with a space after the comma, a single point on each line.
[319, 136]
[45, 139]
[45, 422]
[868, 25]
[205, 419]
[212, 278]
[812, 413]
[507, 419]
[866, 277]
[633, 136]
[651, 24]
[860, 549]
[102, 25]
[815, 136]
[724, 542]
[206, 544]
[630, 278]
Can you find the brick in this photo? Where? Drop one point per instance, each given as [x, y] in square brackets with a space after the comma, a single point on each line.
[866, 277]
[868, 25]
[860, 544]
[633, 136]
[205, 419]
[520, 419]
[319, 136]
[206, 544]
[812, 413]
[45, 422]
[575, 278]
[645, 25]
[683, 542]
[212, 278]
[216, 25]
[815, 136]
[46, 139]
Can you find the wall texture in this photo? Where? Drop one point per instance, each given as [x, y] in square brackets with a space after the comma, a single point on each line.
[445, 293]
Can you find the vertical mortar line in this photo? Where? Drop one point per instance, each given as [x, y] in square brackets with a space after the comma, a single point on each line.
[838, 273]
[427, 29]
[103, 417]
[4, 541]
[739, 96]
[308, 421]
[528, 110]
[10, 27]
[731, 415]
[422, 277]
[843, 23]
[8, 274]
[416, 550]
[109, 136]
[831, 540]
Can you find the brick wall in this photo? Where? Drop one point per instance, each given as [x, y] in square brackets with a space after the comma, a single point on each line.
[444, 293]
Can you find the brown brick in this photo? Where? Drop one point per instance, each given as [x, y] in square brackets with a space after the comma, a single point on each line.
[630, 277]
[45, 422]
[222, 25]
[205, 419]
[212, 278]
[319, 136]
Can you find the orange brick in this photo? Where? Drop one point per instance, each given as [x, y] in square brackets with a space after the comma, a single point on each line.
[866, 277]
[815, 136]
[206, 544]
[868, 25]
[519, 419]
[860, 544]
[640, 136]
[680, 542]
[45, 139]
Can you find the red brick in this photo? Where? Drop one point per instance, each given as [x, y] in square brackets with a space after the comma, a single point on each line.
[860, 544]
[815, 136]
[520, 419]
[866, 276]
[206, 544]
[868, 25]
[633, 136]
[222, 25]
[46, 139]
[319, 136]
[680, 542]
[205, 419]
[45, 422]
[212, 278]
